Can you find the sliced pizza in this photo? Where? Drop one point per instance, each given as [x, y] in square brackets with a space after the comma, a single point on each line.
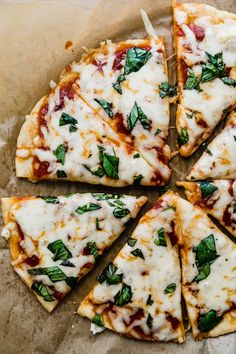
[55, 241]
[219, 159]
[217, 198]
[208, 260]
[139, 294]
[106, 122]
[205, 46]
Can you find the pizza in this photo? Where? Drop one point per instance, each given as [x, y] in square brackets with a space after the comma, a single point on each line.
[106, 122]
[55, 241]
[217, 198]
[218, 160]
[139, 293]
[208, 260]
[205, 48]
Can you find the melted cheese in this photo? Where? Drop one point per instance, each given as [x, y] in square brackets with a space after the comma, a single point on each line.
[43, 223]
[146, 277]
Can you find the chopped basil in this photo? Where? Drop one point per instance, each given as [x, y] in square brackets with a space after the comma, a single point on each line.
[161, 238]
[138, 253]
[116, 85]
[149, 321]
[193, 82]
[115, 203]
[106, 106]
[97, 224]
[97, 320]
[191, 115]
[60, 153]
[167, 89]
[67, 263]
[110, 165]
[59, 250]
[183, 136]
[208, 321]
[157, 131]
[120, 212]
[135, 115]
[92, 248]
[54, 273]
[51, 200]
[87, 207]
[206, 149]
[229, 81]
[68, 195]
[149, 300]
[136, 156]
[61, 174]
[234, 209]
[124, 296]
[99, 172]
[207, 189]
[131, 242]
[42, 290]
[72, 128]
[137, 180]
[170, 288]
[109, 275]
[234, 137]
[203, 273]
[215, 68]
[67, 119]
[135, 59]
[104, 196]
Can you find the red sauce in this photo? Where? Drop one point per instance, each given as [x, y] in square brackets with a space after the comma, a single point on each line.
[227, 217]
[32, 261]
[180, 32]
[99, 64]
[172, 236]
[119, 57]
[20, 232]
[183, 70]
[158, 204]
[41, 117]
[143, 335]
[58, 296]
[157, 178]
[174, 321]
[160, 154]
[65, 91]
[86, 251]
[198, 31]
[110, 307]
[41, 169]
[202, 123]
[136, 316]
[120, 128]
[230, 189]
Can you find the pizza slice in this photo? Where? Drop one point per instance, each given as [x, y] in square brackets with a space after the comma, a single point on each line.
[217, 198]
[55, 241]
[139, 294]
[105, 122]
[208, 260]
[206, 56]
[219, 159]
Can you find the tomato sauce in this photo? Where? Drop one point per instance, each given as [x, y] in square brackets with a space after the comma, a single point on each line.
[99, 64]
[227, 217]
[183, 67]
[136, 316]
[33, 261]
[42, 118]
[40, 168]
[121, 53]
[65, 91]
[173, 321]
[172, 236]
[198, 31]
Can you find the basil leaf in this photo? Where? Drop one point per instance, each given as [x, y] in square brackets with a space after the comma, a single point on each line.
[92, 248]
[72, 128]
[42, 290]
[157, 131]
[61, 174]
[192, 82]
[167, 89]
[51, 200]
[67, 119]
[135, 115]
[68, 195]
[97, 224]
[149, 321]
[208, 321]
[120, 212]
[60, 153]
[59, 250]
[116, 85]
[170, 288]
[161, 238]
[207, 189]
[106, 106]
[116, 203]
[203, 272]
[109, 275]
[97, 320]
[149, 300]
[136, 156]
[87, 207]
[110, 165]
[131, 242]
[67, 263]
[99, 172]
[138, 253]
[191, 115]
[183, 137]
[54, 273]
[124, 296]
[205, 251]
[135, 59]
[137, 180]
[104, 196]
[215, 68]
[229, 81]
[71, 282]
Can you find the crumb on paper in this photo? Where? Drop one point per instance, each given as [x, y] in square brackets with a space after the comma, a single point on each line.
[68, 44]
[96, 329]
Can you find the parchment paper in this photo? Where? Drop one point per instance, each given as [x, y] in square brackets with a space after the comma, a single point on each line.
[32, 52]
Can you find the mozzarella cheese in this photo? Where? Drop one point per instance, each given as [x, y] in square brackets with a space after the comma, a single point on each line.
[32, 224]
[148, 276]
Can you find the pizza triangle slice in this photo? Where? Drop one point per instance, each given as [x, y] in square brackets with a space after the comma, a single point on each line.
[219, 159]
[208, 260]
[139, 294]
[55, 241]
[216, 198]
[206, 71]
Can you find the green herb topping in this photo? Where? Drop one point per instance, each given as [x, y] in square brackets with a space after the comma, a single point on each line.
[131, 242]
[208, 321]
[109, 275]
[207, 189]
[97, 320]
[193, 82]
[167, 89]
[60, 153]
[87, 207]
[135, 59]
[42, 290]
[136, 115]
[124, 296]
[59, 250]
[170, 288]
[106, 106]
[138, 253]
[161, 238]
